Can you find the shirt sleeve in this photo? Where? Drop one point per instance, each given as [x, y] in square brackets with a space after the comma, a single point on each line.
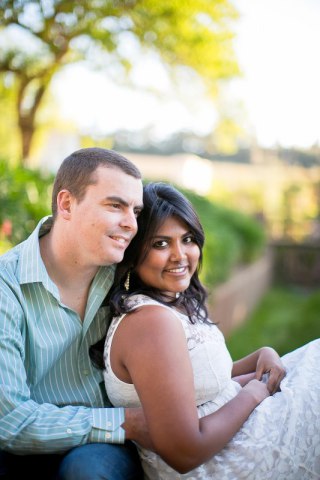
[107, 425]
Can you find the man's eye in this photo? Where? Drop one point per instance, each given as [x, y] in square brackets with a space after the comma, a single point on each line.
[137, 213]
[115, 205]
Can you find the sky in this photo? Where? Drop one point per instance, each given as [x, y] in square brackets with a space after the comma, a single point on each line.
[277, 98]
[278, 48]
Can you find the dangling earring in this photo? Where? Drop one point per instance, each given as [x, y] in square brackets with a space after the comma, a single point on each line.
[127, 282]
[178, 294]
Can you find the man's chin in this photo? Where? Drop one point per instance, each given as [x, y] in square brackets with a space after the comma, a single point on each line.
[116, 259]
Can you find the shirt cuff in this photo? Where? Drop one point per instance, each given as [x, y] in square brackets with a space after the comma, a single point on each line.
[106, 425]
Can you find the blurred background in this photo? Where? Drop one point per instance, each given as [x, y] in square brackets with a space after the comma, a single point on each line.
[220, 97]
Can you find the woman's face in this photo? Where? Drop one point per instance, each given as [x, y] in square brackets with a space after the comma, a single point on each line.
[172, 259]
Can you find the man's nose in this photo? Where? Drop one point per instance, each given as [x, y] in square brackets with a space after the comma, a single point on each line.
[129, 221]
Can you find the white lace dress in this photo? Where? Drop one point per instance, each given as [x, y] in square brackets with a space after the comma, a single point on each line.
[281, 438]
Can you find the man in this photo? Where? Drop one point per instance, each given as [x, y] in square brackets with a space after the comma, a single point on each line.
[54, 423]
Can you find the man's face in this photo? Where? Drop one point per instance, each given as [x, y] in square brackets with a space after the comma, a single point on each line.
[105, 220]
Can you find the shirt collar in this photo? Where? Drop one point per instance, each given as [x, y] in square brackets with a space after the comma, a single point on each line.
[30, 266]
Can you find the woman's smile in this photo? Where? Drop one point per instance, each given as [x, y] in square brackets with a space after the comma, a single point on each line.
[177, 270]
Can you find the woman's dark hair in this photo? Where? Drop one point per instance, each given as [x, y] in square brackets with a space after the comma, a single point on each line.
[161, 201]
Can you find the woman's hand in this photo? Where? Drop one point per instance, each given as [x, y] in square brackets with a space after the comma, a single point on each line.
[244, 379]
[257, 389]
[269, 362]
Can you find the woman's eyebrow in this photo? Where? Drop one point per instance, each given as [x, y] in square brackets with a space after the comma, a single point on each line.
[167, 237]
[156, 237]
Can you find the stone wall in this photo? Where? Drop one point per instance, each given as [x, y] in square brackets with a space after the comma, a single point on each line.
[231, 302]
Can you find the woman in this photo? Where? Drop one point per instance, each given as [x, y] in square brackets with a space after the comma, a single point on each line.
[207, 417]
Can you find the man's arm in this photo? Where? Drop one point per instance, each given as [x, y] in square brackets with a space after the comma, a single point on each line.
[28, 426]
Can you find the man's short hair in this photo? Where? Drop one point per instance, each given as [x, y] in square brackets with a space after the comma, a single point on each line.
[76, 172]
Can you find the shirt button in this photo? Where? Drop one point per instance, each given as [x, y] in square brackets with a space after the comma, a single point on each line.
[69, 430]
[85, 372]
[109, 424]
[108, 435]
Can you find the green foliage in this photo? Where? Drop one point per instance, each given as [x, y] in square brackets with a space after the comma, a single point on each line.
[9, 147]
[50, 35]
[249, 233]
[221, 253]
[285, 319]
[25, 197]
[197, 35]
[232, 238]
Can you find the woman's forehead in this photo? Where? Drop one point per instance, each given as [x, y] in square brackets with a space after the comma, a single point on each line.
[170, 225]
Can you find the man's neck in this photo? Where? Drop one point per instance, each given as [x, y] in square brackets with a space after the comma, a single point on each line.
[72, 279]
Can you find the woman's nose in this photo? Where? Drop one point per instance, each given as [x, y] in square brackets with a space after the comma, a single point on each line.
[177, 252]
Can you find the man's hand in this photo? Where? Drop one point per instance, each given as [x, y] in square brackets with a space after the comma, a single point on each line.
[136, 428]
[270, 362]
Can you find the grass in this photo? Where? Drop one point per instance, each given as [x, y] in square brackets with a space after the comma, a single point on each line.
[285, 319]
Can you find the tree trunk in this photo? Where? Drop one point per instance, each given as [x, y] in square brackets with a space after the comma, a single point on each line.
[26, 116]
[26, 127]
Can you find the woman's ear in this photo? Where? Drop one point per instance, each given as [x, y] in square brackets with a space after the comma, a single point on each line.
[121, 272]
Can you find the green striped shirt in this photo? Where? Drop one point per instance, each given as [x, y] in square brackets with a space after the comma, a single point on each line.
[51, 396]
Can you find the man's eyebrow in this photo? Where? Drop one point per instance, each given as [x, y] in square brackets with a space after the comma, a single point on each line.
[116, 199]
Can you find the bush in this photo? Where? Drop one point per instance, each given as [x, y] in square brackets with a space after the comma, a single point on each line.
[232, 238]
[25, 197]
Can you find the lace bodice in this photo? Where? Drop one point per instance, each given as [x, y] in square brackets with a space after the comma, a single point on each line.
[211, 361]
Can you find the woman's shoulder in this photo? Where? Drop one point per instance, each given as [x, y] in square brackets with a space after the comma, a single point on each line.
[141, 306]
[147, 317]
[144, 315]
[139, 300]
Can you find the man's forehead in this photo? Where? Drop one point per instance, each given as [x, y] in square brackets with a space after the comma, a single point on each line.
[119, 185]
[115, 175]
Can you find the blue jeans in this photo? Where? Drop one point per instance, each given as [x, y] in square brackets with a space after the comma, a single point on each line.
[95, 461]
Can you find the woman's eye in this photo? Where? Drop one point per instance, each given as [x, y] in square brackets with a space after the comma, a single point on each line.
[160, 244]
[189, 239]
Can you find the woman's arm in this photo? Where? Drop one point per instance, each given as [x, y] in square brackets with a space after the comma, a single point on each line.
[244, 379]
[264, 360]
[149, 349]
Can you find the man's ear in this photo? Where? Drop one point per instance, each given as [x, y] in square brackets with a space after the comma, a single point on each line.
[64, 202]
